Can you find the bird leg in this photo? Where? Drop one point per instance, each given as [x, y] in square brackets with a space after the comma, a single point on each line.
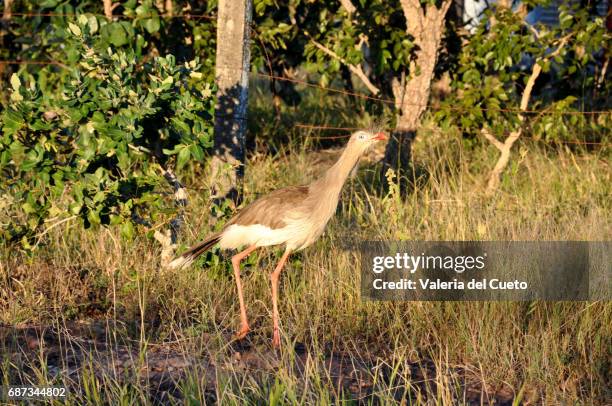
[244, 324]
[274, 277]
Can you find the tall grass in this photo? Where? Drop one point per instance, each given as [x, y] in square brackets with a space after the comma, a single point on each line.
[96, 312]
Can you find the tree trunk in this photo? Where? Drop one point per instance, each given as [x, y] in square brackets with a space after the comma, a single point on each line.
[232, 69]
[7, 13]
[411, 94]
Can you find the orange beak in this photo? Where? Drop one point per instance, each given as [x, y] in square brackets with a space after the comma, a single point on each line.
[380, 136]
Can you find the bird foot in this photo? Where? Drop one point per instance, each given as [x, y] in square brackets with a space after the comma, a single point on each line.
[276, 343]
[240, 334]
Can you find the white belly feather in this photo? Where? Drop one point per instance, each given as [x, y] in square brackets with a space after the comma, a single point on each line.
[297, 234]
[301, 229]
[236, 236]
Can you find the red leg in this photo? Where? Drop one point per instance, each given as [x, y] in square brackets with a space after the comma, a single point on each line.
[274, 277]
[244, 324]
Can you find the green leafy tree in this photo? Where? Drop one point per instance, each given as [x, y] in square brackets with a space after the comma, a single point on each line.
[509, 69]
[36, 31]
[391, 47]
[99, 146]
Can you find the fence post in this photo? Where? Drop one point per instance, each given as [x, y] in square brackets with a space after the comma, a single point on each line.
[231, 76]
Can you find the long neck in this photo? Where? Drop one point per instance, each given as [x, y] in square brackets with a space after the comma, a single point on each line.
[334, 178]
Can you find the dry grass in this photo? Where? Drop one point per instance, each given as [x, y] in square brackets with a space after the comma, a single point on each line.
[336, 347]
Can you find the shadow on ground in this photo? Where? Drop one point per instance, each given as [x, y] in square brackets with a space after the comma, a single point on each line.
[71, 352]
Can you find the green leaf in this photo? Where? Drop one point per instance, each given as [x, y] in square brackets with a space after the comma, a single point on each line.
[74, 29]
[27, 208]
[92, 22]
[197, 152]
[94, 218]
[115, 33]
[13, 121]
[182, 158]
[152, 25]
[127, 230]
[15, 82]
[181, 126]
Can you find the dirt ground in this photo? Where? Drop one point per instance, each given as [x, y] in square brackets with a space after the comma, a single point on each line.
[66, 351]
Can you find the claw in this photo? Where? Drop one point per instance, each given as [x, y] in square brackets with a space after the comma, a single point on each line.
[240, 334]
[276, 343]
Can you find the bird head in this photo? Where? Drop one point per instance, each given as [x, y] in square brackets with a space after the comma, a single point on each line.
[363, 140]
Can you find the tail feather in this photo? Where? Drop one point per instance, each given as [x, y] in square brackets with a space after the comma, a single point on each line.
[187, 258]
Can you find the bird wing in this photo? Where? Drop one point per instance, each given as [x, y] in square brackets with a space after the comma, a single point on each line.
[270, 210]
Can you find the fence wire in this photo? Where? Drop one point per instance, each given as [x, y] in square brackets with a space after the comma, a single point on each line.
[273, 77]
[117, 16]
[357, 94]
[315, 126]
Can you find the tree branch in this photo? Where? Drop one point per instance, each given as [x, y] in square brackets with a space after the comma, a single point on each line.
[602, 75]
[502, 162]
[487, 134]
[413, 13]
[168, 238]
[444, 8]
[537, 69]
[504, 158]
[356, 69]
[108, 8]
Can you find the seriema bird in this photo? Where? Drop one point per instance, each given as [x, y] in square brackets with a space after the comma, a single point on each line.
[294, 216]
